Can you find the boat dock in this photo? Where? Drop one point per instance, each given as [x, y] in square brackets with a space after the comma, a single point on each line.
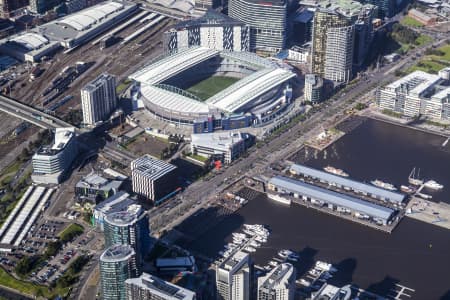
[429, 212]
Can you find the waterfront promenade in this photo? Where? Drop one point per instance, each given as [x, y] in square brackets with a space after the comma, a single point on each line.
[429, 212]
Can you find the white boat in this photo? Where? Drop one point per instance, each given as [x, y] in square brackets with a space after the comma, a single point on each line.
[433, 185]
[335, 171]
[279, 199]
[273, 263]
[261, 239]
[325, 266]
[305, 282]
[249, 232]
[407, 189]
[314, 272]
[285, 253]
[255, 244]
[249, 249]
[383, 185]
[413, 179]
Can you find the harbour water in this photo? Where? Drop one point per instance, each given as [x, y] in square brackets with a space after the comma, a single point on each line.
[377, 150]
[415, 255]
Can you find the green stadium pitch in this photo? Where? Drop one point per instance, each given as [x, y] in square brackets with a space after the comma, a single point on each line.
[211, 86]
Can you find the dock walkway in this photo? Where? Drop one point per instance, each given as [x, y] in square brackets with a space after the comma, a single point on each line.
[429, 212]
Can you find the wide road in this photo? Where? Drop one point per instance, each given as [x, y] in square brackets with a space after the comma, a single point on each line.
[27, 113]
[287, 143]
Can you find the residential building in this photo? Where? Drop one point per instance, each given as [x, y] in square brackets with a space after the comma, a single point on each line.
[75, 5]
[313, 90]
[150, 287]
[98, 99]
[213, 30]
[129, 227]
[233, 277]
[50, 163]
[7, 7]
[152, 179]
[42, 6]
[267, 21]
[117, 264]
[342, 35]
[278, 284]
[223, 146]
[94, 188]
[118, 202]
[416, 94]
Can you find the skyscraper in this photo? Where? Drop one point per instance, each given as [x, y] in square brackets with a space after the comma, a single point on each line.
[267, 21]
[342, 35]
[278, 284]
[152, 179]
[129, 227]
[149, 287]
[117, 264]
[8, 6]
[233, 277]
[98, 99]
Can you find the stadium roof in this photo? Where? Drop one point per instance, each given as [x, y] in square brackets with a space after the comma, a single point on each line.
[172, 65]
[171, 101]
[246, 89]
[355, 185]
[318, 193]
[210, 18]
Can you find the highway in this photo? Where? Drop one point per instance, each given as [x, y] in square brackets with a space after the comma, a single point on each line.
[31, 115]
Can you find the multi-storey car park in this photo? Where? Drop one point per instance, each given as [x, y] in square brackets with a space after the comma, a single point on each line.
[210, 89]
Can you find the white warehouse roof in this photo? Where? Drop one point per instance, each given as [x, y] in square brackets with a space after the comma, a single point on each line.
[30, 40]
[318, 193]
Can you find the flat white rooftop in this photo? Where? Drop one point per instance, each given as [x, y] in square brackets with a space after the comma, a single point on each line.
[23, 216]
[417, 81]
[62, 137]
[30, 40]
[218, 140]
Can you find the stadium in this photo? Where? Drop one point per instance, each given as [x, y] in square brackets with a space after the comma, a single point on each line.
[211, 89]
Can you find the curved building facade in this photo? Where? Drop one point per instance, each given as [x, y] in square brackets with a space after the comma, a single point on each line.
[130, 227]
[260, 93]
[267, 21]
[117, 264]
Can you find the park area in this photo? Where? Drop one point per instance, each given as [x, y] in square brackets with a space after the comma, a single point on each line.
[211, 86]
[408, 21]
[433, 61]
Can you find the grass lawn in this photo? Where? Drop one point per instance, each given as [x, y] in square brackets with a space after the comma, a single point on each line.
[198, 157]
[433, 63]
[211, 86]
[70, 232]
[28, 287]
[424, 39]
[408, 21]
